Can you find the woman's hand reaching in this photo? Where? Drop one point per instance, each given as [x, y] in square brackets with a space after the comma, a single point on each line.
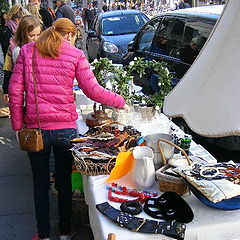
[126, 108]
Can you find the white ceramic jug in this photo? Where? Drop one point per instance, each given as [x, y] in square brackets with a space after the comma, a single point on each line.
[143, 170]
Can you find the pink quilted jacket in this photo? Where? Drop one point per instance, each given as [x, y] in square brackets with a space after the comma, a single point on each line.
[54, 88]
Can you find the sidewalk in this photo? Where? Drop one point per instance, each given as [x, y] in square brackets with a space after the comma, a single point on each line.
[17, 216]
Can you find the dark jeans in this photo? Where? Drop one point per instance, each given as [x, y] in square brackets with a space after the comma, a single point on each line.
[58, 140]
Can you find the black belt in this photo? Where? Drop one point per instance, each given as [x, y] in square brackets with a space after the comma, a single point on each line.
[172, 229]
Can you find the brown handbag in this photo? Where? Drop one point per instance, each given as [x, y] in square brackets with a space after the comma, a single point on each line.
[31, 140]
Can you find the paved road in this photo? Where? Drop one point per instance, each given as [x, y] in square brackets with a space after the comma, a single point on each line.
[17, 215]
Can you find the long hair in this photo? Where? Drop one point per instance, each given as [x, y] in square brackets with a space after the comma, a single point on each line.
[15, 12]
[34, 11]
[49, 42]
[26, 25]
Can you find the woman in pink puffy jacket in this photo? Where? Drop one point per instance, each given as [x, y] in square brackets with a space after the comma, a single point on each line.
[56, 62]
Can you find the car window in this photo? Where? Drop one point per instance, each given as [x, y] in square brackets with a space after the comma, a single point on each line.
[195, 36]
[168, 38]
[197, 32]
[123, 24]
[147, 34]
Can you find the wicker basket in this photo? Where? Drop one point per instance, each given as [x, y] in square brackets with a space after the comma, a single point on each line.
[92, 168]
[168, 182]
[88, 167]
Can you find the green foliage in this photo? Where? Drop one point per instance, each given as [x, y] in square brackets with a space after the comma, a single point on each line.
[101, 69]
[122, 78]
[140, 65]
[4, 6]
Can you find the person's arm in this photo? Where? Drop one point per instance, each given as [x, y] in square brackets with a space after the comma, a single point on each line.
[15, 54]
[16, 90]
[91, 87]
[8, 68]
[6, 80]
[6, 35]
[46, 17]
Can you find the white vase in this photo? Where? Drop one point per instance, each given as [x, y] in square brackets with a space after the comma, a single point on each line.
[143, 170]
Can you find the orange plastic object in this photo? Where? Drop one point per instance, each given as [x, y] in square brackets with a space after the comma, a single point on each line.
[124, 164]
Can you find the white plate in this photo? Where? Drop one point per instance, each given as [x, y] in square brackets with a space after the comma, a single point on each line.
[178, 161]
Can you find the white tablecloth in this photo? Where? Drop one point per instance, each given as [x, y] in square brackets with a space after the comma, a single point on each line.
[208, 223]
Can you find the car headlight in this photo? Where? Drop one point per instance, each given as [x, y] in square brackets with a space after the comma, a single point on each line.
[110, 47]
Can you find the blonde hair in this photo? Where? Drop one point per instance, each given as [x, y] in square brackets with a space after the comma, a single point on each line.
[62, 1]
[49, 42]
[26, 25]
[15, 12]
[34, 11]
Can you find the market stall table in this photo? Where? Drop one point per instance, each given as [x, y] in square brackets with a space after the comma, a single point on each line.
[208, 223]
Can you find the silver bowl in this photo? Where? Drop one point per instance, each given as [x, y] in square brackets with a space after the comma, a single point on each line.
[168, 150]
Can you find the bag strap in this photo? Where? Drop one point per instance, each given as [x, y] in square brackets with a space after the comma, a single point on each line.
[35, 86]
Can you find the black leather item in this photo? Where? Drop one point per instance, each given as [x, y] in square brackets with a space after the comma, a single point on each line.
[172, 229]
[148, 207]
[173, 206]
[131, 207]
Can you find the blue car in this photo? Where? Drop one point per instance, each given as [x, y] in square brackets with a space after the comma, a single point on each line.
[110, 33]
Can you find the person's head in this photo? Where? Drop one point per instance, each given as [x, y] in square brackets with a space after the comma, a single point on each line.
[15, 13]
[35, 2]
[61, 2]
[49, 42]
[163, 40]
[34, 11]
[28, 30]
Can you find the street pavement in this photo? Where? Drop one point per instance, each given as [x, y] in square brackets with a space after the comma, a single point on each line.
[17, 215]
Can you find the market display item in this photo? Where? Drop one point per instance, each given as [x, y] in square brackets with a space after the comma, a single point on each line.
[131, 207]
[170, 206]
[143, 172]
[98, 117]
[172, 229]
[142, 196]
[95, 152]
[169, 182]
[216, 185]
[151, 140]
